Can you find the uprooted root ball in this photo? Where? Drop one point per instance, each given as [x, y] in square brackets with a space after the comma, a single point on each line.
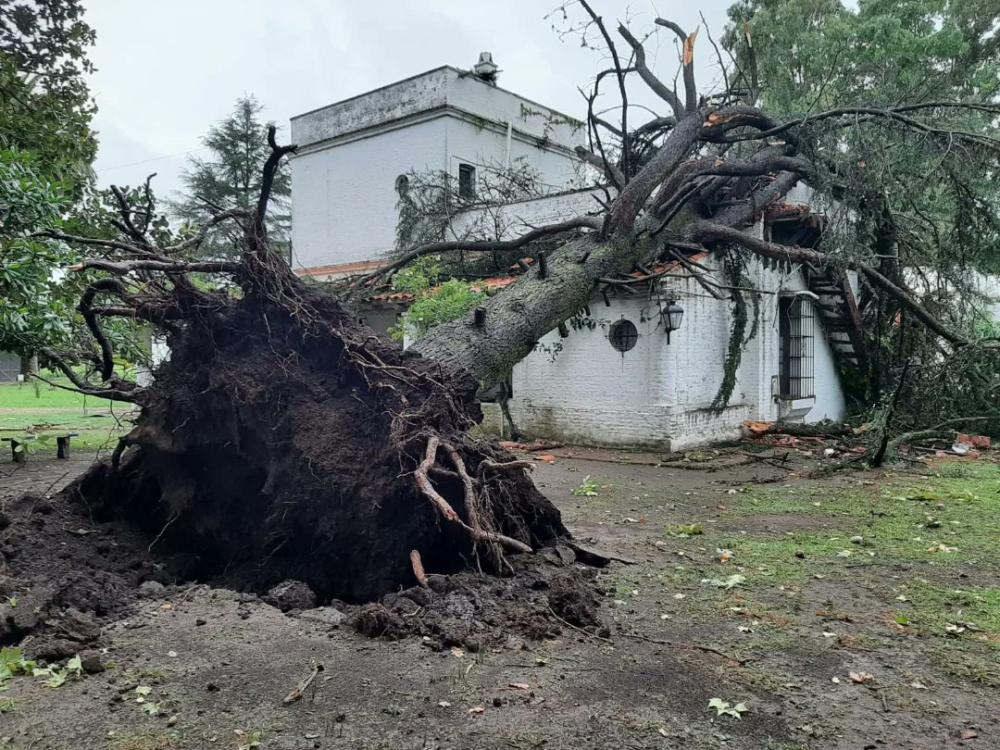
[289, 442]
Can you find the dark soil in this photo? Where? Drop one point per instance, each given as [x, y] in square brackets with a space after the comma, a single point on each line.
[277, 445]
[218, 663]
[69, 575]
[64, 575]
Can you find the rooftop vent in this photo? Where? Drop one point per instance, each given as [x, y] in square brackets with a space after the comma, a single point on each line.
[486, 69]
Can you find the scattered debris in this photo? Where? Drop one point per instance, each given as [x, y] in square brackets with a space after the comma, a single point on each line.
[300, 689]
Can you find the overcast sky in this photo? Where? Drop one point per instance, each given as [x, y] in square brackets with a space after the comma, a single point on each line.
[166, 71]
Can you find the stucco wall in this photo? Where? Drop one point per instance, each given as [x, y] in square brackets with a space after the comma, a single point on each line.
[344, 198]
[344, 177]
[518, 217]
[436, 89]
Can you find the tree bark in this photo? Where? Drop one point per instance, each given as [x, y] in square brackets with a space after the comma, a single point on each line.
[29, 364]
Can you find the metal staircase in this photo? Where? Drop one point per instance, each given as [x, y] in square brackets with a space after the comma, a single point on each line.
[837, 308]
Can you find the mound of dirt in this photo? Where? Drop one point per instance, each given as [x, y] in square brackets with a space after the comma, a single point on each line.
[472, 611]
[62, 575]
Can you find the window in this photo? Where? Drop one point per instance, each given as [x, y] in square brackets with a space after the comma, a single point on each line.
[623, 335]
[402, 185]
[795, 348]
[466, 182]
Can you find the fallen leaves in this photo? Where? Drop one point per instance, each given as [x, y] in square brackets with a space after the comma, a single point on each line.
[685, 530]
[861, 678]
[724, 708]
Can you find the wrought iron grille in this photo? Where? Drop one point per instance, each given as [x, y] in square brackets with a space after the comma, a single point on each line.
[796, 328]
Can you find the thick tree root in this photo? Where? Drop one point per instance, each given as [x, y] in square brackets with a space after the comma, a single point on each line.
[474, 528]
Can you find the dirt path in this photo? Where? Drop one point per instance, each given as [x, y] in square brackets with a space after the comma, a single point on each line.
[784, 641]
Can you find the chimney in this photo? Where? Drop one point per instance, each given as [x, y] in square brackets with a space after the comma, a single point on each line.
[486, 69]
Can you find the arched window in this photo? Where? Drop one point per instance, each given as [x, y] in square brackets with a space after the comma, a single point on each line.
[402, 185]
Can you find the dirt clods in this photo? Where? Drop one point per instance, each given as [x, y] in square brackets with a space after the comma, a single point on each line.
[470, 611]
[291, 595]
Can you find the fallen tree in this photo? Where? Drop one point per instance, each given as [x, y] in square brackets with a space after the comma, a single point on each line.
[284, 440]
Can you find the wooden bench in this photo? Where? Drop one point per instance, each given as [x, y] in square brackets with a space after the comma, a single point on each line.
[20, 456]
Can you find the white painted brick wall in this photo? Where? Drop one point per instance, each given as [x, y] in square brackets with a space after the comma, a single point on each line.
[659, 395]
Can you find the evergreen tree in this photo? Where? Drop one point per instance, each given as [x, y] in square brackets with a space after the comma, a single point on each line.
[230, 178]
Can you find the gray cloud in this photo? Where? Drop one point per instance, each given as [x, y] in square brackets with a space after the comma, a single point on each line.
[168, 70]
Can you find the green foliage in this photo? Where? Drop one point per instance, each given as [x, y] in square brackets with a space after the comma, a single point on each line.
[13, 663]
[434, 302]
[922, 209]
[418, 277]
[685, 530]
[231, 178]
[587, 488]
[45, 106]
[739, 336]
[441, 304]
[46, 148]
[33, 313]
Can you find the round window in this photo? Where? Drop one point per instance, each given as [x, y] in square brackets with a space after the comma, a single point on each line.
[623, 335]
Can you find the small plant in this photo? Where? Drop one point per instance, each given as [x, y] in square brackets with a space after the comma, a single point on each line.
[56, 677]
[13, 663]
[250, 740]
[588, 488]
[685, 530]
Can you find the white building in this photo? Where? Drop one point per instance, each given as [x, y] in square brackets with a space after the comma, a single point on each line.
[616, 380]
[352, 153]
[624, 382]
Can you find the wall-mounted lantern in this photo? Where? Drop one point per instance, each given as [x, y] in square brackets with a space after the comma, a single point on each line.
[671, 315]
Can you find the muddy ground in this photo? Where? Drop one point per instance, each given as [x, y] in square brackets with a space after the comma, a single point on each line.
[751, 584]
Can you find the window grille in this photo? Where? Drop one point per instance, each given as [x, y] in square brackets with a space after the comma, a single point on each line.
[797, 347]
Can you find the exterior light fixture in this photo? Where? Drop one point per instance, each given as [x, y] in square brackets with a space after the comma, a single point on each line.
[671, 315]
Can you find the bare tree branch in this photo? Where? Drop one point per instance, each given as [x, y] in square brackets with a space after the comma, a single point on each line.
[706, 231]
[658, 87]
[579, 222]
[620, 75]
[687, 60]
[133, 395]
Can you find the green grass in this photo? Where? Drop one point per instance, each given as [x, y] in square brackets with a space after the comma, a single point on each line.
[43, 411]
[901, 522]
[36, 395]
[886, 538]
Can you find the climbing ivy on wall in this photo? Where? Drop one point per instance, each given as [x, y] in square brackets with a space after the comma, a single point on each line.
[739, 337]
